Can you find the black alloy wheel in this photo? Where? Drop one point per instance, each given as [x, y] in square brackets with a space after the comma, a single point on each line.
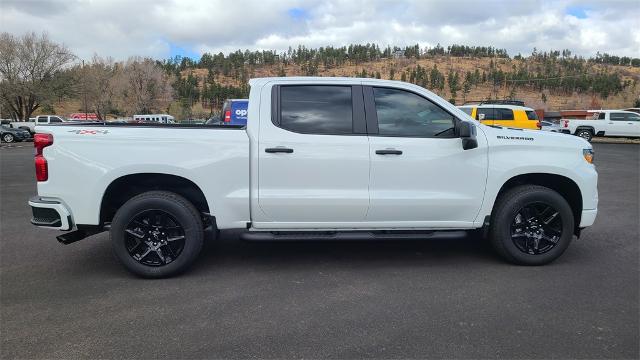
[154, 238]
[536, 228]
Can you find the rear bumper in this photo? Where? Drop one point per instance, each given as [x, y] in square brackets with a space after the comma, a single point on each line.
[588, 217]
[50, 213]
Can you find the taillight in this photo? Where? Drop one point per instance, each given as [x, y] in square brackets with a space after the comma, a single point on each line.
[538, 125]
[41, 141]
[227, 116]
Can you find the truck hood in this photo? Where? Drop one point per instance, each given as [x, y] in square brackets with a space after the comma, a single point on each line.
[503, 136]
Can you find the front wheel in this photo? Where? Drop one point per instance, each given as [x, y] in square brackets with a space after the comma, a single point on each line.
[531, 225]
[585, 134]
[8, 138]
[157, 234]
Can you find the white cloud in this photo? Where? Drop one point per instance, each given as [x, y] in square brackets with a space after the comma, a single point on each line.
[122, 28]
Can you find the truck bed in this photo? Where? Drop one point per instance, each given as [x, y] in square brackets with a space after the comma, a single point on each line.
[85, 158]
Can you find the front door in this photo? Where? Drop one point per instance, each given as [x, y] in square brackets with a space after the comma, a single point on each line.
[420, 175]
[313, 159]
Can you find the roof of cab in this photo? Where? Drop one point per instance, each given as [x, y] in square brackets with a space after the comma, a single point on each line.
[499, 106]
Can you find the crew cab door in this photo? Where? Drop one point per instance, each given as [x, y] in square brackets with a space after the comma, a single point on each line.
[313, 158]
[633, 125]
[623, 124]
[420, 174]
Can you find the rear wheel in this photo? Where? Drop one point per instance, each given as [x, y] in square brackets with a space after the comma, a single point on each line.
[8, 138]
[585, 134]
[531, 225]
[157, 234]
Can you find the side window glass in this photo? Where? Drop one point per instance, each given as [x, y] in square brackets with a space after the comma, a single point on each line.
[489, 114]
[316, 109]
[633, 117]
[41, 119]
[55, 119]
[504, 114]
[531, 115]
[402, 113]
[601, 116]
[617, 116]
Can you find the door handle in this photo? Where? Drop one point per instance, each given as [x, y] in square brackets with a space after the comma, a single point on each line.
[278, 150]
[389, 152]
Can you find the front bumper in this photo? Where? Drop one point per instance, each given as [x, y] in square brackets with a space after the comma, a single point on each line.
[50, 213]
[588, 217]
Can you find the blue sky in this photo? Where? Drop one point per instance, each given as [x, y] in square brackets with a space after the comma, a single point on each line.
[166, 28]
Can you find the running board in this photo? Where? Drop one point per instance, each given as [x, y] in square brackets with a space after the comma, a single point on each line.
[349, 235]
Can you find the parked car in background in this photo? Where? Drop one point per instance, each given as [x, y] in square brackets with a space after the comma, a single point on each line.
[616, 123]
[549, 126]
[321, 158]
[234, 112]
[635, 110]
[38, 120]
[9, 134]
[514, 116]
[154, 118]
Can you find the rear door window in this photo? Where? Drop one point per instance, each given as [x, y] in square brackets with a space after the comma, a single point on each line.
[504, 114]
[316, 109]
[615, 116]
[41, 119]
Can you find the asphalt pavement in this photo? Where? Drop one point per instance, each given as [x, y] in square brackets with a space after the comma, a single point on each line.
[435, 298]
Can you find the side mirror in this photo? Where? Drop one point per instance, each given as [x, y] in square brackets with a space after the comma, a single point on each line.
[480, 117]
[467, 132]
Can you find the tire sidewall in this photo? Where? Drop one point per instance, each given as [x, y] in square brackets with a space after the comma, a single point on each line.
[191, 225]
[508, 212]
[10, 136]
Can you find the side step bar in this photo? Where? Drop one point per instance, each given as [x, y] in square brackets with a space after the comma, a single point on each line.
[349, 235]
[81, 233]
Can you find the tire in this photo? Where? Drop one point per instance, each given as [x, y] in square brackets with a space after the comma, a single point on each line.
[8, 138]
[585, 134]
[166, 244]
[531, 242]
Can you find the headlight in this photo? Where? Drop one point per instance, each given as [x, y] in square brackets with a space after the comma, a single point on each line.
[588, 155]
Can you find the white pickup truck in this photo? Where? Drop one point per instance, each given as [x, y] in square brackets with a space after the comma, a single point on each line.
[617, 123]
[39, 120]
[320, 158]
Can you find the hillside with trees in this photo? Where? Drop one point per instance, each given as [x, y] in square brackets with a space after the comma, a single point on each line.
[190, 88]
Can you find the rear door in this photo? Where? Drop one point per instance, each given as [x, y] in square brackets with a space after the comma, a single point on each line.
[313, 158]
[420, 174]
[617, 124]
[505, 117]
[633, 125]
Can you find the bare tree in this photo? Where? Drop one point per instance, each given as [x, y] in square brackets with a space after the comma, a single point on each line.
[143, 87]
[31, 72]
[97, 84]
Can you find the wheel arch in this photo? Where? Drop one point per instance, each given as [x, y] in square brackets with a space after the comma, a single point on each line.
[127, 186]
[563, 185]
[585, 127]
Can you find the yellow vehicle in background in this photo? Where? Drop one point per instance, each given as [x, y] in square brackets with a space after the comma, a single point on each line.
[503, 114]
